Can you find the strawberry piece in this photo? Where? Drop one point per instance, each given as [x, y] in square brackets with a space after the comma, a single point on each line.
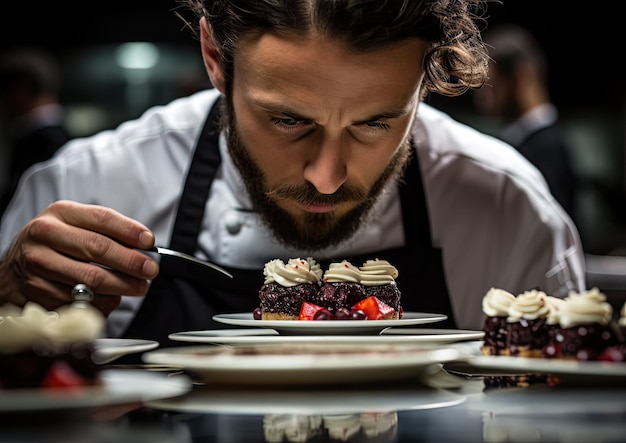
[308, 310]
[61, 375]
[374, 308]
[613, 353]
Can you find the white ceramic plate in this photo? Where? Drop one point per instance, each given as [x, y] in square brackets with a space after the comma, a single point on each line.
[521, 365]
[110, 349]
[330, 327]
[302, 363]
[426, 337]
[318, 400]
[436, 335]
[118, 386]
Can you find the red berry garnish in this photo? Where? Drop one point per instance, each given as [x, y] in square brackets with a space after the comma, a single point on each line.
[61, 375]
[374, 308]
[613, 353]
[323, 314]
[342, 314]
[308, 311]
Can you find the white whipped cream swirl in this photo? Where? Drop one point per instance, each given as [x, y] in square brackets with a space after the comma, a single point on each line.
[377, 273]
[32, 325]
[496, 302]
[530, 305]
[555, 306]
[586, 307]
[343, 271]
[295, 272]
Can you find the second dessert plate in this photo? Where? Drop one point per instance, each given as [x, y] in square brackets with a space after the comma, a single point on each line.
[110, 349]
[116, 387]
[303, 363]
[568, 372]
[426, 337]
[329, 327]
[506, 364]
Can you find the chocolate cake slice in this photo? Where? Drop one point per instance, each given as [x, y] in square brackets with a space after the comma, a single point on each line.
[495, 305]
[48, 349]
[287, 286]
[379, 279]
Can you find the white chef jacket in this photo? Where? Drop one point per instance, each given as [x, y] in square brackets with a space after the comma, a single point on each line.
[490, 210]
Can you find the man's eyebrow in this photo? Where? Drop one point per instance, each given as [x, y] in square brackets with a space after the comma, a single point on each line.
[383, 116]
[281, 109]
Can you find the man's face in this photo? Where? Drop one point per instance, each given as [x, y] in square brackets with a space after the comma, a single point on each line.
[317, 132]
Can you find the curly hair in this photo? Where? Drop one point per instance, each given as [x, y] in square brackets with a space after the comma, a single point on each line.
[455, 62]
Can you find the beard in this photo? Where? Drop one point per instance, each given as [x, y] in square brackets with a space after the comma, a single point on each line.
[308, 231]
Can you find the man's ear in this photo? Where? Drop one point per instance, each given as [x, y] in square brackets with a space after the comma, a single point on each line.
[211, 56]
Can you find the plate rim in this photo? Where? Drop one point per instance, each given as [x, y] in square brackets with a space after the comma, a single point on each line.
[322, 402]
[106, 354]
[304, 362]
[146, 385]
[546, 365]
[474, 334]
[131, 342]
[419, 339]
[354, 325]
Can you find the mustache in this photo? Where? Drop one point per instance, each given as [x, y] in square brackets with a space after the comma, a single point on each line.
[307, 194]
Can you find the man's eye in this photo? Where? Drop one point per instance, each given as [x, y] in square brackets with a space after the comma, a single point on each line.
[285, 121]
[377, 125]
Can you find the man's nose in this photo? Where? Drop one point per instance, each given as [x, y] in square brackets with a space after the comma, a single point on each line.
[327, 169]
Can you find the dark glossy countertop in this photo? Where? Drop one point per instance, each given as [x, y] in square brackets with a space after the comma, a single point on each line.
[458, 409]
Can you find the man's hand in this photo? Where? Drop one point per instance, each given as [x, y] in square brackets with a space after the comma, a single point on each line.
[70, 243]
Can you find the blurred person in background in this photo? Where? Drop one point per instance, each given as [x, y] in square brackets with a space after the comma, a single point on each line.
[31, 118]
[517, 92]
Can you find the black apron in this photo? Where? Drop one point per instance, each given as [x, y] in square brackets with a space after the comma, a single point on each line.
[184, 296]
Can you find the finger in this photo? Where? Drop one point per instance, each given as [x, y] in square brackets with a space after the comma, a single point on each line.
[104, 220]
[46, 264]
[87, 246]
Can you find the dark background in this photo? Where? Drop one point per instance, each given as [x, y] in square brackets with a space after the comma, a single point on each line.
[585, 40]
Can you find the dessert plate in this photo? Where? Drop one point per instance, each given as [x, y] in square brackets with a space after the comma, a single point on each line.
[436, 335]
[426, 337]
[302, 363]
[330, 327]
[110, 349]
[308, 401]
[119, 386]
[505, 365]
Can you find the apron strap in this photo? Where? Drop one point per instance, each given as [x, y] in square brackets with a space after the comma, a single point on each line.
[202, 170]
[414, 209]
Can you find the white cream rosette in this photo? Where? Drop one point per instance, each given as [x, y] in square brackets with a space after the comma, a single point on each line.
[378, 272]
[587, 307]
[295, 272]
[32, 325]
[529, 305]
[343, 271]
[496, 302]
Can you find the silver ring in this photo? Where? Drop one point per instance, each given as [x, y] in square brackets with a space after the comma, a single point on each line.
[82, 292]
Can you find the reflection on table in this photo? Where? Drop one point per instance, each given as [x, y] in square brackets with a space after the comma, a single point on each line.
[387, 412]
